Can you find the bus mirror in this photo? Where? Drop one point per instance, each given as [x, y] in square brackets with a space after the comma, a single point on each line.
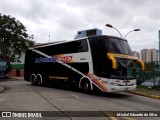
[114, 65]
[142, 64]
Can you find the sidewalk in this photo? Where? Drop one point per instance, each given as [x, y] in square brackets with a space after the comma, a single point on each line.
[18, 78]
[152, 93]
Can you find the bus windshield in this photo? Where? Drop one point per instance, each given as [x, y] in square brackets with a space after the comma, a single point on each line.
[100, 46]
[118, 46]
[125, 69]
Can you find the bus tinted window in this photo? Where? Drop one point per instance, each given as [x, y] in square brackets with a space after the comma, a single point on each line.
[110, 45]
[115, 46]
[118, 46]
[75, 47]
[65, 48]
[125, 47]
[97, 44]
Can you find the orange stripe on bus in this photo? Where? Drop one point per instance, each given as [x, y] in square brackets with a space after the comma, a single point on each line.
[100, 84]
[93, 78]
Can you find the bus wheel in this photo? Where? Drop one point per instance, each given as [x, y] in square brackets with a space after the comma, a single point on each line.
[39, 80]
[86, 87]
[33, 79]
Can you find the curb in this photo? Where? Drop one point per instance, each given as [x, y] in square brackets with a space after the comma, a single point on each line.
[145, 95]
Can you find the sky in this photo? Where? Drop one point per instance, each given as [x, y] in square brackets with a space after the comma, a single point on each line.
[61, 19]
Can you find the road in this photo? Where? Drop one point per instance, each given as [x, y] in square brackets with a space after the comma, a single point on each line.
[22, 96]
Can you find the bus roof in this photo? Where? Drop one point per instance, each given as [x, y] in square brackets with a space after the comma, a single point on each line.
[65, 41]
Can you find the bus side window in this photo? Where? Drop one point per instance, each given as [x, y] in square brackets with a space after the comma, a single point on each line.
[66, 48]
[84, 45]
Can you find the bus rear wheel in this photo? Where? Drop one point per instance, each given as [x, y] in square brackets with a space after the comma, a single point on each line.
[33, 79]
[39, 80]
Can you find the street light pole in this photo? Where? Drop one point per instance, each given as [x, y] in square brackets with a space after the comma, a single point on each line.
[108, 25]
[131, 31]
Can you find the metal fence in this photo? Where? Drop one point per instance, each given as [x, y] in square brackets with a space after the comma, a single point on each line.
[151, 72]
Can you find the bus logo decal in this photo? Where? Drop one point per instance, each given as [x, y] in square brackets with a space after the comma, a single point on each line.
[56, 58]
[44, 60]
[66, 59]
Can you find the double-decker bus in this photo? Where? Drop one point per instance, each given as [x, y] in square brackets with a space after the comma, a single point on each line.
[99, 61]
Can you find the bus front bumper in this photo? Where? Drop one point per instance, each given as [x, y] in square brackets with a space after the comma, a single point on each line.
[122, 88]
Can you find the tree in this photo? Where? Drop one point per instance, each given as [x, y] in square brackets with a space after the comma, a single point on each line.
[14, 40]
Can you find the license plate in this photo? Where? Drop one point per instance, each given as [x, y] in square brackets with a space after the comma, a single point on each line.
[126, 88]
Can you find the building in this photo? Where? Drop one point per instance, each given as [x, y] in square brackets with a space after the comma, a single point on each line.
[17, 67]
[149, 55]
[146, 55]
[136, 54]
[154, 55]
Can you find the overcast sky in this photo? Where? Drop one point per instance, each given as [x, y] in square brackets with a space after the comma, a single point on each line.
[61, 19]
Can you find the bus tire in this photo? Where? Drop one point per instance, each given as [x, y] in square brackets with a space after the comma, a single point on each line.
[85, 86]
[39, 80]
[33, 79]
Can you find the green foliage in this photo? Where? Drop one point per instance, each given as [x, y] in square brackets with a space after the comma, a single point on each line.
[13, 38]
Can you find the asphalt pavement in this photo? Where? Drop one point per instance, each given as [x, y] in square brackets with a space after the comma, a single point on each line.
[2, 88]
[151, 93]
[22, 96]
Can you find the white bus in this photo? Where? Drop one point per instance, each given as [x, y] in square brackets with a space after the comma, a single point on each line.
[100, 61]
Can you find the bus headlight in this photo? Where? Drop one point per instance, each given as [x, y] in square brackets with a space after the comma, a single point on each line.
[114, 84]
